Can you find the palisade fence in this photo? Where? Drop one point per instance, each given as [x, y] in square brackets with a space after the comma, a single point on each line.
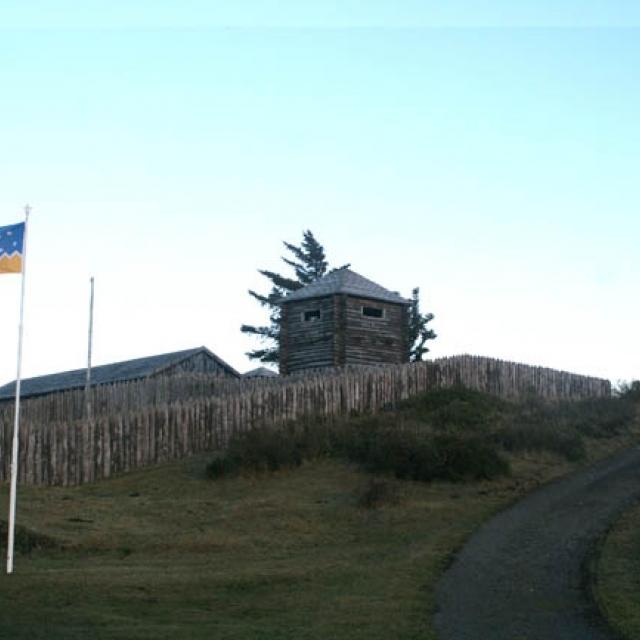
[145, 422]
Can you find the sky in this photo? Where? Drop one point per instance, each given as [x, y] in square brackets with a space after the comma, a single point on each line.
[485, 152]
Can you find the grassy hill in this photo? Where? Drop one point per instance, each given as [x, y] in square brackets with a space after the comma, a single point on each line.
[338, 542]
[617, 584]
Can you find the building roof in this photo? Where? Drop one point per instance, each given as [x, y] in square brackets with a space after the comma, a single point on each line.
[260, 372]
[107, 373]
[347, 282]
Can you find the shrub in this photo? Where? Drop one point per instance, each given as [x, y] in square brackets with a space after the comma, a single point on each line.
[540, 437]
[376, 493]
[601, 418]
[223, 465]
[25, 541]
[259, 450]
[455, 408]
[270, 449]
[432, 400]
[469, 458]
[451, 434]
[629, 390]
[559, 427]
[415, 456]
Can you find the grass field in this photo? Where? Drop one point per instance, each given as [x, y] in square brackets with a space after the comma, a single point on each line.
[618, 576]
[302, 552]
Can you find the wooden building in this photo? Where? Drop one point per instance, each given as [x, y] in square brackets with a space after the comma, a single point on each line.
[260, 372]
[198, 360]
[343, 319]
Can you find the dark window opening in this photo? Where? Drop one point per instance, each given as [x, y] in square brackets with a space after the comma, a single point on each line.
[372, 312]
[312, 315]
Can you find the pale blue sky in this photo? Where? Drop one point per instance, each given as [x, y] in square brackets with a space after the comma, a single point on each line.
[318, 14]
[496, 168]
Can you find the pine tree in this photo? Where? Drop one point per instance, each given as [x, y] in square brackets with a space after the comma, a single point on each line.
[309, 263]
[419, 333]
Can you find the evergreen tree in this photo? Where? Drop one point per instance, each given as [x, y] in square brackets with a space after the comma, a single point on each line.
[419, 332]
[309, 263]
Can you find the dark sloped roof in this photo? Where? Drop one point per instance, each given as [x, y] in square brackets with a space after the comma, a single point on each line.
[345, 281]
[107, 373]
[260, 372]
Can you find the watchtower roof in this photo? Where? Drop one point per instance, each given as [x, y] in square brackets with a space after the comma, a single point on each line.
[347, 282]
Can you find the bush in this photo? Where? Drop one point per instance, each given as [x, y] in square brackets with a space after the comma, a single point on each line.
[536, 425]
[270, 449]
[415, 456]
[629, 390]
[222, 466]
[540, 437]
[469, 458]
[601, 418]
[597, 418]
[376, 493]
[451, 434]
[259, 450]
[25, 541]
[455, 408]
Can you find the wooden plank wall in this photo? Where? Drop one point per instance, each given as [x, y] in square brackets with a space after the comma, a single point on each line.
[304, 343]
[375, 339]
[149, 422]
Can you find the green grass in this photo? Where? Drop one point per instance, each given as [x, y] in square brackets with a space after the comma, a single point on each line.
[290, 555]
[618, 575]
[319, 549]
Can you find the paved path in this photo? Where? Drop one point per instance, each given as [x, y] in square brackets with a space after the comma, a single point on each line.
[520, 577]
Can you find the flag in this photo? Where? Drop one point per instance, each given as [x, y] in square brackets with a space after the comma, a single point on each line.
[13, 260]
[11, 248]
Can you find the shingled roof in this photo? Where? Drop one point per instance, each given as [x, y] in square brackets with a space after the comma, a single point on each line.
[107, 373]
[260, 372]
[348, 282]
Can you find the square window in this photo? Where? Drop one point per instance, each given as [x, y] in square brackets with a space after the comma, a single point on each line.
[373, 312]
[311, 315]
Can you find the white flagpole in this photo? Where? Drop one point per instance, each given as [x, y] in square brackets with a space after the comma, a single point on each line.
[16, 424]
[87, 388]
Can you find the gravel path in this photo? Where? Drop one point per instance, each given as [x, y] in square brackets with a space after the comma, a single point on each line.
[520, 577]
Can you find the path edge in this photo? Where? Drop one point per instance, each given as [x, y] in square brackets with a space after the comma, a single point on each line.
[590, 577]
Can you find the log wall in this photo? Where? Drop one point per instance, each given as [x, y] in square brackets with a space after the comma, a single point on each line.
[307, 344]
[342, 334]
[375, 340]
[154, 421]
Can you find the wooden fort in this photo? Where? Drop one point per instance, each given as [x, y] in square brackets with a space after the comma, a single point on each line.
[343, 319]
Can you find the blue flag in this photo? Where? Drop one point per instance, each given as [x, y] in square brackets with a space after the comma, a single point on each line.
[11, 248]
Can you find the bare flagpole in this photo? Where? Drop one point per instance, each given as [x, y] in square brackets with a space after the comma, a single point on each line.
[87, 389]
[16, 424]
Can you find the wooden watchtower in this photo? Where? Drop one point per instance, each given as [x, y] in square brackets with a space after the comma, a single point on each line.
[343, 319]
